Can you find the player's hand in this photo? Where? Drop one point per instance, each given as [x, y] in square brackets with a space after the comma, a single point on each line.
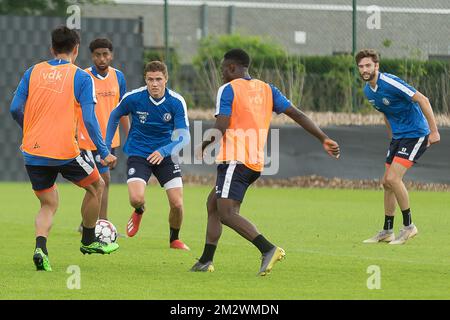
[332, 148]
[113, 165]
[433, 138]
[155, 158]
[110, 161]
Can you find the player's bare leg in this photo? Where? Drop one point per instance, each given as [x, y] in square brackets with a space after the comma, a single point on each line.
[43, 223]
[394, 181]
[214, 225]
[390, 203]
[213, 233]
[89, 211]
[90, 207]
[136, 193]
[175, 197]
[228, 213]
[103, 213]
[49, 204]
[228, 210]
[104, 203]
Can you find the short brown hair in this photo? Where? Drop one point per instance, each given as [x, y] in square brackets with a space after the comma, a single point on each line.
[367, 53]
[64, 39]
[154, 66]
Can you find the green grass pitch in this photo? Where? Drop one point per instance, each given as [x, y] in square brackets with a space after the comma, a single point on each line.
[321, 231]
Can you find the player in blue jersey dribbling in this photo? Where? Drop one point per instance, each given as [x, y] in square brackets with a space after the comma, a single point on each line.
[411, 126]
[159, 129]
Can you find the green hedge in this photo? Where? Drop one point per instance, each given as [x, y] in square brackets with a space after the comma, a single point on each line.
[316, 83]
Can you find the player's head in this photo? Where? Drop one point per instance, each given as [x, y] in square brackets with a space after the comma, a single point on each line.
[65, 41]
[102, 53]
[156, 76]
[235, 64]
[368, 61]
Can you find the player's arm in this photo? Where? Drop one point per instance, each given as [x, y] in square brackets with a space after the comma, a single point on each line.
[120, 111]
[330, 146]
[125, 125]
[20, 98]
[388, 126]
[85, 95]
[406, 91]
[425, 105]
[224, 103]
[221, 125]
[180, 136]
[282, 105]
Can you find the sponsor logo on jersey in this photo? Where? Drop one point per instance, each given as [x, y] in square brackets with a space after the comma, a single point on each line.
[403, 151]
[142, 116]
[167, 117]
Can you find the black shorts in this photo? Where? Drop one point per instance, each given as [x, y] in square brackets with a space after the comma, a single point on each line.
[138, 168]
[81, 171]
[233, 179]
[406, 151]
[95, 157]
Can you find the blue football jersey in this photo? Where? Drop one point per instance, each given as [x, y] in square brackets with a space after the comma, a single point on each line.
[153, 122]
[393, 97]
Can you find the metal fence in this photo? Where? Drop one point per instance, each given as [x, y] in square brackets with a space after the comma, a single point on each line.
[417, 29]
[398, 28]
[406, 29]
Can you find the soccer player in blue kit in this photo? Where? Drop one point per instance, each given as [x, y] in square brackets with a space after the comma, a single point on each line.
[159, 129]
[411, 126]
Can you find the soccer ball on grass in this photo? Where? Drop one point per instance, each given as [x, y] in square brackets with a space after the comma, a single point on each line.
[105, 231]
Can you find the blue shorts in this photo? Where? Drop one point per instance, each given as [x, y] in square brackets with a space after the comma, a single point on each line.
[233, 179]
[406, 151]
[140, 169]
[81, 171]
[95, 157]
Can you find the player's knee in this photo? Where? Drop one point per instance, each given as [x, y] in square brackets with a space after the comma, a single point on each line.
[106, 180]
[51, 204]
[386, 185]
[99, 186]
[390, 181]
[176, 206]
[225, 216]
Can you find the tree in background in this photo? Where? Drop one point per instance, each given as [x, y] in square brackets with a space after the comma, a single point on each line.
[270, 62]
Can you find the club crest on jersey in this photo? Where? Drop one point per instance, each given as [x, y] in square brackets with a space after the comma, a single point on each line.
[142, 116]
[386, 102]
[167, 117]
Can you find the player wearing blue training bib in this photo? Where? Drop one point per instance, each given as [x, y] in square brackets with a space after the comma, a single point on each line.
[159, 129]
[411, 125]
